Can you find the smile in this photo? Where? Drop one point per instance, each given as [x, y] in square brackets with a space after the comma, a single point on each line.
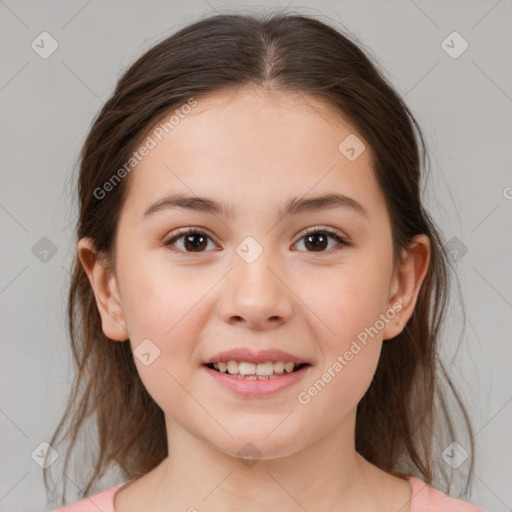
[248, 380]
[259, 371]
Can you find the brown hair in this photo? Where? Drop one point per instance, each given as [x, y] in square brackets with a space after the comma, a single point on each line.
[405, 412]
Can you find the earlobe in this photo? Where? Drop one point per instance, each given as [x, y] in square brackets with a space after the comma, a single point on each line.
[104, 285]
[406, 284]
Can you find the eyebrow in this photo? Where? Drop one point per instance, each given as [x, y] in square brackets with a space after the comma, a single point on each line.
[295, 206]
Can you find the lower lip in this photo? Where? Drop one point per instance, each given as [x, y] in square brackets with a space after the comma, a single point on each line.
[257, 387]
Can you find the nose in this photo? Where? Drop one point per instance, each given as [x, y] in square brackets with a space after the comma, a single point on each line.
[256, 294]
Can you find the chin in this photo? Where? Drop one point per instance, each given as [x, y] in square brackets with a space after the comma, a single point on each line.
[258, 447]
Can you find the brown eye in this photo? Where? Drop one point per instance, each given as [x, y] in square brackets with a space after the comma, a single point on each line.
[318, 240]
[193, 240]
[196, 241]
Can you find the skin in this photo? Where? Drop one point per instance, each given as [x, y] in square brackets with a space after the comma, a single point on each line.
[248, 148]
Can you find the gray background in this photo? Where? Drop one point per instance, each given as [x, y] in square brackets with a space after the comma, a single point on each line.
[463, 104]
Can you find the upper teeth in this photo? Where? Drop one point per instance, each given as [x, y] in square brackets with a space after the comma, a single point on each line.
[244, 368]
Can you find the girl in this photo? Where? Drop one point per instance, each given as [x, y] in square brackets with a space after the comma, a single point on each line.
[258, 292]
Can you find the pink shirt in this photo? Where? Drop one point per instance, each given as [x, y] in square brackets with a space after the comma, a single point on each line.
[424, 499]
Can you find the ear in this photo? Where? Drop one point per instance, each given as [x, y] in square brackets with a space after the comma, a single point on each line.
[104, 285]
[406, 283]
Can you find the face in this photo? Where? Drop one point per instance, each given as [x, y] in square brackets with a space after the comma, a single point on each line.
[249, 277]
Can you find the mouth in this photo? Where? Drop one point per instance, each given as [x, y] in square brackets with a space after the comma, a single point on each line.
[256, 374]
[251, 371]
[245, 381]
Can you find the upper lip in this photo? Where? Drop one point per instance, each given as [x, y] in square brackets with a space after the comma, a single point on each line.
[250, 356]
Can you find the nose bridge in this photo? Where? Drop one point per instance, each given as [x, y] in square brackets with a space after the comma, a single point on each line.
[255, 265]
[253, 290]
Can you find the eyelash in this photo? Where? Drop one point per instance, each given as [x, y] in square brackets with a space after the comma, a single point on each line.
[324, 230]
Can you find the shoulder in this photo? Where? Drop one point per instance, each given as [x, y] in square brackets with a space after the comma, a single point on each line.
[426, 498]
[103, 501]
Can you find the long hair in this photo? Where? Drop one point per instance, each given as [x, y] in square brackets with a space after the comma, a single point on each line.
[404, 420]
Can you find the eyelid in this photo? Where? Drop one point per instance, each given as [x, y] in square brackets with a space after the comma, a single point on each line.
[189, 229]
[341, 238]
[321, 228]
[180, 232]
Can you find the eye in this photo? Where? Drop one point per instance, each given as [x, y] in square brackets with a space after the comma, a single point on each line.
[194, 240]
[317, 239]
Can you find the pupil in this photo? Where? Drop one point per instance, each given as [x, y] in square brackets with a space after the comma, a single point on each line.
[320, 245]
[199, 245]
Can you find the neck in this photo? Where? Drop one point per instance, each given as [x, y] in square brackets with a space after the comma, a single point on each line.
[325, 475]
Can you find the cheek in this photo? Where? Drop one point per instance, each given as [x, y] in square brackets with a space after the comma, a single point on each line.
[155, 296]
[347, 308]
[163, 347]
[165, 310]
[350, 340]
[347, 298]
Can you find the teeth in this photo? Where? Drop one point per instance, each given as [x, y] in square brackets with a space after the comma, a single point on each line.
[279, 366]
[288, 367]
[250, 371]
[246, 369]
[232, 367]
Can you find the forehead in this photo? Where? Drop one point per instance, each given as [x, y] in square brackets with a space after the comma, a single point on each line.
[248, 145]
